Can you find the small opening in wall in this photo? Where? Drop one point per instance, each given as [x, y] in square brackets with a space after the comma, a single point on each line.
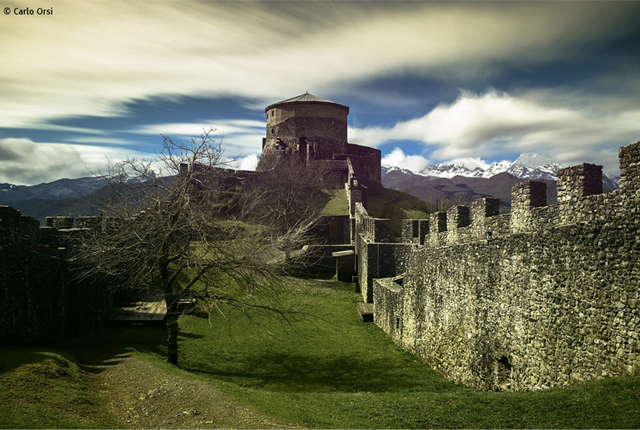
[397, 322]
[505, 362]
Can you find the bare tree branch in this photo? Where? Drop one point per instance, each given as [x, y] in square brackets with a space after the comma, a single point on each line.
[184, 224]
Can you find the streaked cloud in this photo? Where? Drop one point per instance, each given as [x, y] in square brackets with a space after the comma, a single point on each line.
[194, 129]
[246, 163]
[92, 57]
[492, 123]
[26, 163]
[95, 59]
[239, 137]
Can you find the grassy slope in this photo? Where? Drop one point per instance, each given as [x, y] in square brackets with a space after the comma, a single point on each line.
[337, 204]
[341, 373]
[327, 372]
[386, 203]
[397, 206]
[41, 388]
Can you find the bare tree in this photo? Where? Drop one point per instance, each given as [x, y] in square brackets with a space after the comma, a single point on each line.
[289, 196]
[184, 224]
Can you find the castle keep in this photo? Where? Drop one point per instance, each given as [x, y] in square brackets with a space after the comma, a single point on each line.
[541, 297]
[313, 130]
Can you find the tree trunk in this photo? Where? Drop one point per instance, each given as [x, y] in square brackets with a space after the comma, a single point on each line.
[172, 335]
[172, 314]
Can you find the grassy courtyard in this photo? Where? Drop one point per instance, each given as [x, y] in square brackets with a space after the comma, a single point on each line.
[328, 370]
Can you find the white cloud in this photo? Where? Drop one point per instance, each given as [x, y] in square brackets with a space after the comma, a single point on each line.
[471, 163]
[25, 162]
[493, 123]
[246, 163]
[397, 157]
[91, 57]
[238, 136]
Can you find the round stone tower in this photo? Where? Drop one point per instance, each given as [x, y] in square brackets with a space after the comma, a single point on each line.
[306, 126]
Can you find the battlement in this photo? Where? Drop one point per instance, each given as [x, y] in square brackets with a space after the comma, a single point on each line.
[370, 228]
[580, 200]
[52, 238]
[543, 296]
[81, 222]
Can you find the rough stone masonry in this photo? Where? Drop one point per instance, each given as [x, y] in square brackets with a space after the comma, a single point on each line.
[544, 296]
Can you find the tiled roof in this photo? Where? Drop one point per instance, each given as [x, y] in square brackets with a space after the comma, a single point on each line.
[304, 98]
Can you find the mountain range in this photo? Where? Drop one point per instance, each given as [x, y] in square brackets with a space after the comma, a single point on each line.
[62, 197]
[445, 182]
[454, 182]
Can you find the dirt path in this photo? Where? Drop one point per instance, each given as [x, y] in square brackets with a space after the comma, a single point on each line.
[142, 396]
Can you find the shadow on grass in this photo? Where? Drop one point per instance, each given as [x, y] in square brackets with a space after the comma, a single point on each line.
[107, 346]
[14, 357]
[290, 372]
[189, 335]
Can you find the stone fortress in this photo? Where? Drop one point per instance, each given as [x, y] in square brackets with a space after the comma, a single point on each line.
[314, 131]
[543, 296]
[540, 297]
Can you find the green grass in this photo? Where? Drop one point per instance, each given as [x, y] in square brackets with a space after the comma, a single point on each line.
[397, 206]
[40, 388]
[332, 371]
[386, 203]
[341, 373]
[337, 204]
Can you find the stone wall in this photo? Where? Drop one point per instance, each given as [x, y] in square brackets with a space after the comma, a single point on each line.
[40, 302]
[366, 163]
[541, 297]
[376, 255]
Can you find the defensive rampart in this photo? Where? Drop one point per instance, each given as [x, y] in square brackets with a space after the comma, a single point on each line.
[40, 302]
[541, 297]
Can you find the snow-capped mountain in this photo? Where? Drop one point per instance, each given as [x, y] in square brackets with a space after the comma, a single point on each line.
[532, 166]
[526, 166]
[388, 169]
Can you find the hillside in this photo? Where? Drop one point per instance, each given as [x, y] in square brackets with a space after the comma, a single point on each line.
[460, 189]
[386, 203]
[397, 205]
[454, 182]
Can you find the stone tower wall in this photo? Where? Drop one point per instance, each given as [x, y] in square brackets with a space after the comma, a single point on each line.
[323, 125]
[315, 133]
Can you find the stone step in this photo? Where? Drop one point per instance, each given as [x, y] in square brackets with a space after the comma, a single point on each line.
[366, 311]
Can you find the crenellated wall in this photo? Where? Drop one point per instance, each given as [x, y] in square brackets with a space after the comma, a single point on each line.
[541, 297]
[40, 302]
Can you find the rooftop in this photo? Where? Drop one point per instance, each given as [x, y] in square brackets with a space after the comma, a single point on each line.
[304, 98]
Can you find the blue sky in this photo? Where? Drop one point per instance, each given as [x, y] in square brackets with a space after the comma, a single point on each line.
[426, 82]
